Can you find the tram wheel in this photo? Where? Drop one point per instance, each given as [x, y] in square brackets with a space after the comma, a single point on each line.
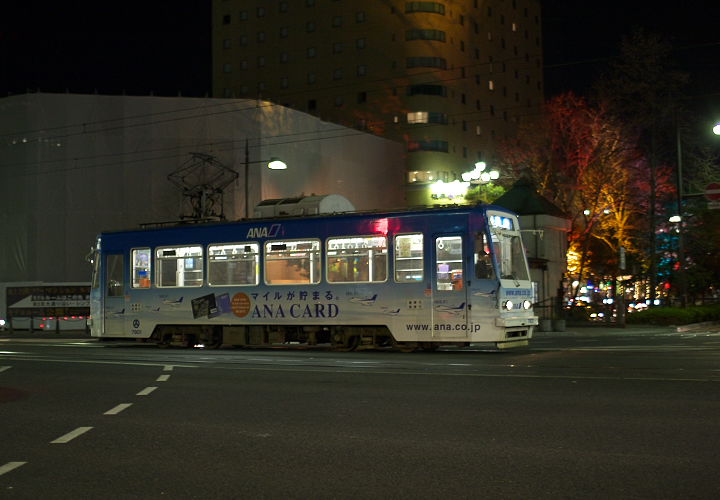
[351, 344]
[405, 346]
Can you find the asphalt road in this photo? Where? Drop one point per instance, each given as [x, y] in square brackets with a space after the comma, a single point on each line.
[591, 413]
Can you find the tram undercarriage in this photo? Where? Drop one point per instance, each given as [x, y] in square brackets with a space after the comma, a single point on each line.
[338, 338]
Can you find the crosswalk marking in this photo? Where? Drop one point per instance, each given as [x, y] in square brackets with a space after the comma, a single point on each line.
[4, 469]
[71, 435]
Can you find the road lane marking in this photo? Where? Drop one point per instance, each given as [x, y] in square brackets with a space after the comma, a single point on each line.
[71, 435]
[3, 368]
[146, 391]
[28, 357]
[168, 368]
[162, 378]
[4, 469]
[118, 409]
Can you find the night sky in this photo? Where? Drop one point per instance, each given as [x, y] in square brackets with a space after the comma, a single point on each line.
[164, 47]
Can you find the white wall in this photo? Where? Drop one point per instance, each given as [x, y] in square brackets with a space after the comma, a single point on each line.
[72, 166]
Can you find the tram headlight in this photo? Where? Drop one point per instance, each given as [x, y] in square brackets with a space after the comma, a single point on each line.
[508, 304]
[526, 304]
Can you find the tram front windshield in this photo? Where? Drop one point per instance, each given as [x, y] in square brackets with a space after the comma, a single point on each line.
[509, 254]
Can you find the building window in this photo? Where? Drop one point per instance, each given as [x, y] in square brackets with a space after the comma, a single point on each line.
[226, 43]
[261, 11]
[309, 3]
[284, 32]
[339, 102]
[261, 61]
[434, 7]
[312, 105]
[338, 74]
[362, 97]
[226, 19]
[337, 47]
[261, 36]
[426, 89]
[337, 21]
[243, 64]
[283, 7]
[416, 34]
[358, 259]
[491, 85]
[227, 68]
[360, 43]
[292, 262]
[311, 78]
[243, 15]
[360, 17]
[179, 266]
[427, 145]
[243, 40]
[311, 52]
[427, 117]
[284, 57]
[233, 264]
[284, 83]
[310, 26]
[426, 62]
[361, 70]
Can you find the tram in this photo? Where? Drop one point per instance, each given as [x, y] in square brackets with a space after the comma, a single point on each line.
[412, 279]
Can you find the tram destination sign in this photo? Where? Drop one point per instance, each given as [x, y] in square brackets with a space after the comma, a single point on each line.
[48, 300]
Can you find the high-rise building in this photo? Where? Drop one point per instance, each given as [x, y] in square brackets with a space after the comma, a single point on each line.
[450, 79]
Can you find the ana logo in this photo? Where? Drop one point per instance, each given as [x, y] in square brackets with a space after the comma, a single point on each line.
[263, 231]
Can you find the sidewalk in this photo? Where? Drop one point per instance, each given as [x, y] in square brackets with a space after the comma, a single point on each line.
[600, 329]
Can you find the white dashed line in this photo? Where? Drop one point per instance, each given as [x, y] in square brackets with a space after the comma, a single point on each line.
[4, 469]
[2, 369]
[118, 409]
[146, 391]
[168, 368]
[163, 378]
[71, 435]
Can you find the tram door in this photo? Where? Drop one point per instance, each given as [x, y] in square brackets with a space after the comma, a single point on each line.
[450, 311]
[114, 295]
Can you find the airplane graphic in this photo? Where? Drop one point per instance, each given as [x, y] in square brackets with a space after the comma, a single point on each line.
[391, 312]
[367, 301]
[173, 303]
[449, 309]
[121, 312]
[485, 294]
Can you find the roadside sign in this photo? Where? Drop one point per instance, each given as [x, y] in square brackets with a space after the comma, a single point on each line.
[712, 191]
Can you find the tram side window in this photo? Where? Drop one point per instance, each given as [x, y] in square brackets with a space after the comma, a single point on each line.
[409, 258]
[448, 259]
[483, 260]
[140, 267]
[179, 266]
[114, 275]
[357, 259]
[292, 262]
[233, 264]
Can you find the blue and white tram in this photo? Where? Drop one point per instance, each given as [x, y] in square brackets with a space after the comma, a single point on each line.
[416, 278]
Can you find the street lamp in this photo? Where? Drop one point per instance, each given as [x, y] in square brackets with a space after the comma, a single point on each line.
[479, 175]
[274, 164]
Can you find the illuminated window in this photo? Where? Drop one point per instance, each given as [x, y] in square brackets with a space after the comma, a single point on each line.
[417, 117]
[179, 266]
[358, 259]
[448, 261]
[141, 268]
[409, 258]
[292, 262]
[233, 264]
